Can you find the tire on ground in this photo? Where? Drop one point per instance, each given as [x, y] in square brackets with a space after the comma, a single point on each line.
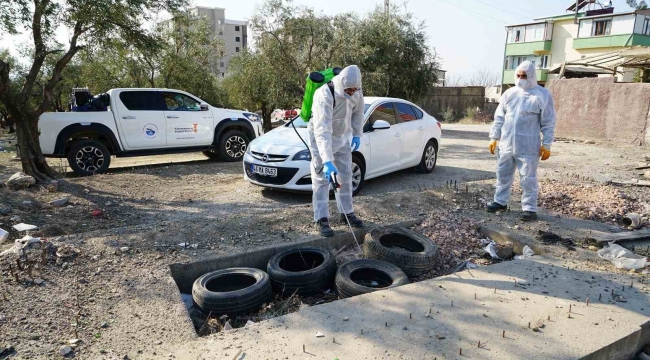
[231, 147]
[232, 291]
[306, 271]
[82, 166]
[414, 253]
[364, 276]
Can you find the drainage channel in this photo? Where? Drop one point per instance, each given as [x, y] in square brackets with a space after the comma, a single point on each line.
[415, 251]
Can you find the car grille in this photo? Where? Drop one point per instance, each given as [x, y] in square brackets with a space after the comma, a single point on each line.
[269, 157]
[284, 175]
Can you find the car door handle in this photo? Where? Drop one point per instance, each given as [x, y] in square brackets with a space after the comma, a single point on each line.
[398, 135]
[128, 117]
[172, 117]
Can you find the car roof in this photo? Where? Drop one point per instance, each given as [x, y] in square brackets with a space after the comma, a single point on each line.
[369, 100]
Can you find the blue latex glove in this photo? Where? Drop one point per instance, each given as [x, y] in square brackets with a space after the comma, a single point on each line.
[356, 142]
[329, 169]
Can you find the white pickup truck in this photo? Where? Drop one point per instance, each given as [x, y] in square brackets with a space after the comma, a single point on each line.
[139, 122]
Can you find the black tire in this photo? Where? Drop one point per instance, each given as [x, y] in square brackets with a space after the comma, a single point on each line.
[414, 253]
[233, 145]
[89, 157]
[360, 169]
[429, 158]
[353, 278]
[292, 271]
[232, 291]
[212, 154]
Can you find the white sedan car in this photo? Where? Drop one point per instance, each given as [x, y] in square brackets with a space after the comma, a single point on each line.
[397, 135]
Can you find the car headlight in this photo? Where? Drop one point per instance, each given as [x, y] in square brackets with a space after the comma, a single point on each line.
[303, 155]
[252, 117]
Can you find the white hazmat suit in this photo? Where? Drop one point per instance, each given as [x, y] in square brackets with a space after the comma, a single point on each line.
[525, 111]
[330, 131]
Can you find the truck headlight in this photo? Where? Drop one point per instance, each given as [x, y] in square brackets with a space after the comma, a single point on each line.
[303, 155]
[252, 117]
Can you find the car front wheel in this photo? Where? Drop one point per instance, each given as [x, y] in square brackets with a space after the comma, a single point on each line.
[429, 158]
[358, 174]
[233, 145]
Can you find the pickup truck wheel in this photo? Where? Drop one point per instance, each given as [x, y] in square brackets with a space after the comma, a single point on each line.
[211, 154]
[233, 145]
[89, 157]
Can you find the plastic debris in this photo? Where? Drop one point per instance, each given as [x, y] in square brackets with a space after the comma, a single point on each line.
[3, 235]
[249, 323]
[227, 326]
[319, 334]
[622, 258]
[527, 253]
[25, 227]
[491, 249]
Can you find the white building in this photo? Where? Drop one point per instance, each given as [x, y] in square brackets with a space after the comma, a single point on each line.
[233, 33]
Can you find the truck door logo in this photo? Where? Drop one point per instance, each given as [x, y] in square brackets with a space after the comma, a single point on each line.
[150, 131]
[195, 126]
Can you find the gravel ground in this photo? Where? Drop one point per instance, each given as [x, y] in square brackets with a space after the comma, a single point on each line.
[112, 289]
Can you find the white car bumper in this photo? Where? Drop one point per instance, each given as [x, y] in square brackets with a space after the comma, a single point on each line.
[291, 175]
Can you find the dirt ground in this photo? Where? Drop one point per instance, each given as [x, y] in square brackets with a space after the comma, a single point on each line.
[149, 206]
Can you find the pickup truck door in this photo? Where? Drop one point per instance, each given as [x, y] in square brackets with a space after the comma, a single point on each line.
[141, 118]
[187, 124]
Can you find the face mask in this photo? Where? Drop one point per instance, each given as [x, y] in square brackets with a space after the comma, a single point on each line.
[522, 83]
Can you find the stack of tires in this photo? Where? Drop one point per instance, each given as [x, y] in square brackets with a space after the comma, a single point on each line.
[392, 255]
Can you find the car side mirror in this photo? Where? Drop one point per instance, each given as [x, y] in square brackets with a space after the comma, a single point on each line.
[204, 107]
[380, 125]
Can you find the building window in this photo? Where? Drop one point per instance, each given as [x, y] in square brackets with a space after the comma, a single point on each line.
[602, 27]
[221, 53]
[221, 64]
[220, 32]
[646, 26]
[237, 39]
[223, 74]
[543, 62]
[237, 49]
[237, 28]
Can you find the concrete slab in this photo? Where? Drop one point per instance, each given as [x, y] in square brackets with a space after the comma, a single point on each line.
[395, 324]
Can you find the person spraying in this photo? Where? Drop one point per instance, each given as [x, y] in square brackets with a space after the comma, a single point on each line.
[337, 118]
[524, 111]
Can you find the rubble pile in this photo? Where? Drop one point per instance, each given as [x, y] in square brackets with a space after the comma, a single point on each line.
[603, 203]
[458, 240]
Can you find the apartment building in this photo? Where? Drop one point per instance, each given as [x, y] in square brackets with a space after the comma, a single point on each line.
[234, 34]
[567, 39]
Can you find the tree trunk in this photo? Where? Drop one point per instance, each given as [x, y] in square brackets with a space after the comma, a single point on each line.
[32, 159]
[266, 118]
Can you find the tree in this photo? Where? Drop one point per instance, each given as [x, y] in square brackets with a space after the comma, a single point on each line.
[639, 5]
[97, 22]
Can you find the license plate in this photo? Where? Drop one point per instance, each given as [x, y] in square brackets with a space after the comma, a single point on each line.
[264, 171]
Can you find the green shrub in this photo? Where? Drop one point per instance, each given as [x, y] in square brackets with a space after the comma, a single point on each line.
[471, 112]
[448, 115]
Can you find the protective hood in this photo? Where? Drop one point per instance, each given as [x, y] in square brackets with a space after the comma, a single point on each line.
[529, 68]
[350, 77]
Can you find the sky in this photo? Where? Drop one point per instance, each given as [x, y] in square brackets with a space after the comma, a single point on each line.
[467, 35]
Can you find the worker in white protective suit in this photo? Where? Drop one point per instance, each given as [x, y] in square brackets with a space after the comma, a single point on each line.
[337, 119]
[525, 111]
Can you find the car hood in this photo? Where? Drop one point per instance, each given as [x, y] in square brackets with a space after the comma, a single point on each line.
[281, 141]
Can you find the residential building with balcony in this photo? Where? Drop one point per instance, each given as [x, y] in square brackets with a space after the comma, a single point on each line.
[553, 41]
[234, 34]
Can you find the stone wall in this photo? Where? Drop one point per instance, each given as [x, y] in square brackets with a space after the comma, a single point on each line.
[599, 108]
[456, 98]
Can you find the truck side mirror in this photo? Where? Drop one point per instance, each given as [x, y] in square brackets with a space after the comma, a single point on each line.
[204, 107]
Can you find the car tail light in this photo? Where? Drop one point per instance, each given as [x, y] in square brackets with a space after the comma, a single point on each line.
[439, 125]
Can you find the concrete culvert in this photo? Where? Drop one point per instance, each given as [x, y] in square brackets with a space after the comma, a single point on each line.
[414, 253]
[233, 291]
[305, 271]
[367, 275]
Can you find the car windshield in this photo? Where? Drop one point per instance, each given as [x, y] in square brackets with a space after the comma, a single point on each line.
[300, 123]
